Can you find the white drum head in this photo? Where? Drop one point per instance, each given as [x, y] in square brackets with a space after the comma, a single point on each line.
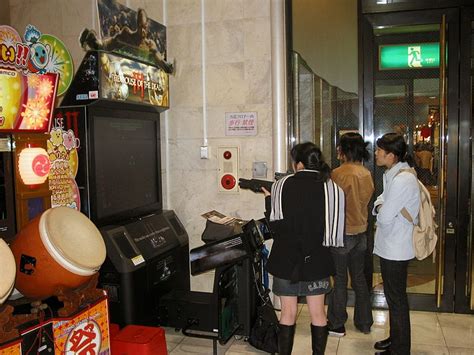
[7, 271]
[72, 240]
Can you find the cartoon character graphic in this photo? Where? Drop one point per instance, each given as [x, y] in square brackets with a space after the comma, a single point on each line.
[56, 136]
[70, 142]
[39, 58]
[62, 153]
[39, 52]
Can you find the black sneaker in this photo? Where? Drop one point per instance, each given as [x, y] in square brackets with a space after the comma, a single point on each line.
[337, 332]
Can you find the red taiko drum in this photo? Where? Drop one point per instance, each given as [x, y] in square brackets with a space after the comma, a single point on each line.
[7, 271]
[59, 248]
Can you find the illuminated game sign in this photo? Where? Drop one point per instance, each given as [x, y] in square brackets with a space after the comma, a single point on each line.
[32, 73]
[63, 146]
[26, 101]
[409, 56]
[127, 80]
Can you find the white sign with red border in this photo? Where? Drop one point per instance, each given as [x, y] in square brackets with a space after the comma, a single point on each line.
[241, 123]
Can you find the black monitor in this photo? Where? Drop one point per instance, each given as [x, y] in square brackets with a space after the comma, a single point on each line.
[124, 156]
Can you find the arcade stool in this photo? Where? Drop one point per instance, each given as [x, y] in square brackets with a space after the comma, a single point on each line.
[139, 339]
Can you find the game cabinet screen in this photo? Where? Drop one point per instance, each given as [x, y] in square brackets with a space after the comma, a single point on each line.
[126, 166]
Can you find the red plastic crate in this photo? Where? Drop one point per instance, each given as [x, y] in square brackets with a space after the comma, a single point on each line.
[114, 329]
[138, 339]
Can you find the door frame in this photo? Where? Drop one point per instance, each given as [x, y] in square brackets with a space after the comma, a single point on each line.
[367, 52]
[463, 275]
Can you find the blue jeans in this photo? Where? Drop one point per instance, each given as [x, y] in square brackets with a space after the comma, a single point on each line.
[352, 257]
[394, 276]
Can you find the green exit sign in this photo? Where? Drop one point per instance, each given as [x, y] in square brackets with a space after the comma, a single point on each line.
[408, 56]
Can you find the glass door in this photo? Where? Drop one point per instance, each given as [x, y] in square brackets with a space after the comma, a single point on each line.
[405, 91]
[464, 286]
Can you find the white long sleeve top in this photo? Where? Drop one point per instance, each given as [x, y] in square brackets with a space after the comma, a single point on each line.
[393, 237]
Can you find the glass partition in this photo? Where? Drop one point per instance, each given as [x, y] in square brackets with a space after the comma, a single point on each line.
[321, 112]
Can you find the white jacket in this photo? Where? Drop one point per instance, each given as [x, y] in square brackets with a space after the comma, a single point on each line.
[393, 237]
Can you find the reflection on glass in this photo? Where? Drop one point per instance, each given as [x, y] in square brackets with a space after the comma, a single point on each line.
[410, 106]
[306, 104]
[321, 112]
[324, 72]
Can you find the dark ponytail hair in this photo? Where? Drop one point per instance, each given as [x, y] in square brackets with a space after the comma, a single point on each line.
[353, 147]
[395, 143]
[312, 158]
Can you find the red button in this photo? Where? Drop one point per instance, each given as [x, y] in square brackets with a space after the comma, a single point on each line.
[228, 182]
[227, 155]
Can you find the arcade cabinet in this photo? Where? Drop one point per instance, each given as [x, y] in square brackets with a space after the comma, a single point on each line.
[232, 306]
[113, 107]
[26, 104]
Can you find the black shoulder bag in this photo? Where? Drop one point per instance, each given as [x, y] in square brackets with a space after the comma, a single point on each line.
[264, 332]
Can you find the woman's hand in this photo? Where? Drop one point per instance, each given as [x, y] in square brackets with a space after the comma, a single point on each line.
[265, 191]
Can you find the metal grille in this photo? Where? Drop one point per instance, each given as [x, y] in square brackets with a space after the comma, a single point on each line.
[346, 110]
[391, 112]
[409, 107]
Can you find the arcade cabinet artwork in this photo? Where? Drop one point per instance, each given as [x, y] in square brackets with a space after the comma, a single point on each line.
[32, 73]
[27, 95]
[111, 117]
[130, 33]
[47, 257]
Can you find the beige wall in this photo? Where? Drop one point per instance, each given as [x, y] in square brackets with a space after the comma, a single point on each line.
[325, 34]
[237, 65]
[238, 78]
[4, 12]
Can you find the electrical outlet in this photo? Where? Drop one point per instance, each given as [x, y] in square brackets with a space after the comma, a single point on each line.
[204, 152]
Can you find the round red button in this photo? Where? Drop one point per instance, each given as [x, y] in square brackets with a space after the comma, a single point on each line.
[227, 155]
[228, 182]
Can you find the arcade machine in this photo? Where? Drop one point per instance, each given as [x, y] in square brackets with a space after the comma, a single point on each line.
[231, 308]
[27, 98]
[43, 260]
[111, 114]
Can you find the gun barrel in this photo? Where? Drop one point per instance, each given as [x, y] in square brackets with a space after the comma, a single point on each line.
[255, 185]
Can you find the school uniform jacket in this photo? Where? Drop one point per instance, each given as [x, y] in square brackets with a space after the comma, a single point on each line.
[297, 253]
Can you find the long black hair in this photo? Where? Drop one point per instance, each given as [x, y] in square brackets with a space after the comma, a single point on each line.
[312, 158]
[353, 147]
[395, 143]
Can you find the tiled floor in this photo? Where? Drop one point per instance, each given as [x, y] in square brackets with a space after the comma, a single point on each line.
[432, 333]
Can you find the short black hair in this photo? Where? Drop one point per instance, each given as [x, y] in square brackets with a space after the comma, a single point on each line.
[311, 157]
[394, 143]
[353, 147]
